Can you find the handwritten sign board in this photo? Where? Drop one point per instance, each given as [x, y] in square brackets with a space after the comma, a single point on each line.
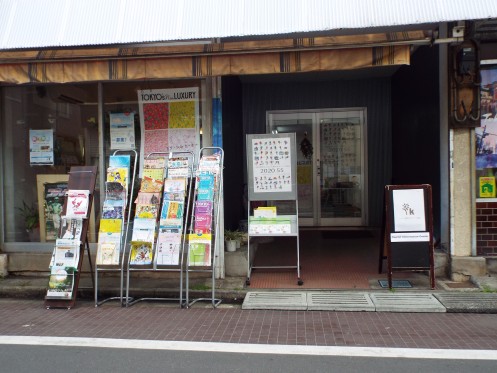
[271, 166]
[409, 229]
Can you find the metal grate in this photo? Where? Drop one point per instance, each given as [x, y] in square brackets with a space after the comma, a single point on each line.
[406, 302]
[399, 284]
[469, 302]
[339, 301]
[272, 300]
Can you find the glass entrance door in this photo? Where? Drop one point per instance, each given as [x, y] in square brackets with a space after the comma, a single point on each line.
[331, 171]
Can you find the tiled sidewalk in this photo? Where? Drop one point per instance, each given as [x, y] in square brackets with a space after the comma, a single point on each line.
[161, 321]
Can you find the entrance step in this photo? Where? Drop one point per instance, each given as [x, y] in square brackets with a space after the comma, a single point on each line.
[406, 302]
[275, 300]
[469, 302]
[339, 301]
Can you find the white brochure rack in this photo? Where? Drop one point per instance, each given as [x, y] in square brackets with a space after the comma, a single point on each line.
[124, 233]
[213, 237]
[272, 176]
[184, 168]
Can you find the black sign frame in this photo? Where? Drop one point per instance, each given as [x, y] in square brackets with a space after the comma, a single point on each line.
[408, 255]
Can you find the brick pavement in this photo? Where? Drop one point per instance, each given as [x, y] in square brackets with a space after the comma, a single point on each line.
[162, 321]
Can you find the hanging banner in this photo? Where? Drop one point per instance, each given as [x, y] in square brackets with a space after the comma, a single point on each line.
[122, 131]
[169, 121]
[41, 147]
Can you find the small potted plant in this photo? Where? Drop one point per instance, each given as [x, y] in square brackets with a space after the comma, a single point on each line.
[231, 238]
[31, 219]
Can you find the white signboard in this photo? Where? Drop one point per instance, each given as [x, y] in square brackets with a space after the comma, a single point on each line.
[271, 162]
[409, 210]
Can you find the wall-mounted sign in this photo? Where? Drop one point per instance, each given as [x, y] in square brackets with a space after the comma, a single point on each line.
[487, 187]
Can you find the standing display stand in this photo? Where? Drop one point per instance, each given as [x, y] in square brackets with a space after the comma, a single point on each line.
[123, 234]
[81, 179]
[409, 230]
[168, 254]
[272, 176]
[203, 249]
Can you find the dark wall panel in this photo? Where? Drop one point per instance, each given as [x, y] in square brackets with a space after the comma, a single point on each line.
[374, 94]
[416, 125]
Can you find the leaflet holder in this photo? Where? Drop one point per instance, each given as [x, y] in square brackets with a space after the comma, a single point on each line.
[80, 178]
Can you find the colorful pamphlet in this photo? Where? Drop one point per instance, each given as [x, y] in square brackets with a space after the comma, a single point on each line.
[66, 253]
[203, 223]
[61, 283]
[168, 247]
[113, 209]
[77, 203]
[151, 185]
[71, 228]
[199, 249]
[110, 225]
[143, 230]
[147, 211]
[106, 241]
[140, 253]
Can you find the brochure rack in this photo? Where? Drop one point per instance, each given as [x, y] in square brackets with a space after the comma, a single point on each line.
[178, 166]
[124, 232]
[203, 247]
[271, 166]
[80, 178]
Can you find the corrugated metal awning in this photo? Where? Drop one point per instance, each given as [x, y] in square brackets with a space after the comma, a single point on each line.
[37, 24]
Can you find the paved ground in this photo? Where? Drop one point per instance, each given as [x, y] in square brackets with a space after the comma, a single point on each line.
[163, 321]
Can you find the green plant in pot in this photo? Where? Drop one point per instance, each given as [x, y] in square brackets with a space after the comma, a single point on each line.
[231, 238]
[30, 215]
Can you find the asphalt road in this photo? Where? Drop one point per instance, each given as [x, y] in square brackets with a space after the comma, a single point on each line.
[29, 358]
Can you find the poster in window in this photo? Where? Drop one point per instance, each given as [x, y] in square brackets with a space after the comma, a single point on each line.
[122, 130]
[486, 134]
[41, 147]
[169, 120]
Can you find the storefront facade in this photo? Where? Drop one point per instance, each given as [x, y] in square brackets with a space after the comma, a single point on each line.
[392, 85]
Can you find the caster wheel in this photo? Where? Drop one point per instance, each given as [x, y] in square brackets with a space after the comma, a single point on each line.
[247, 282]
[300, 282]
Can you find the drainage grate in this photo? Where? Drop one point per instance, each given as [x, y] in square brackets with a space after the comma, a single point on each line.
[400, 284]
[273, 300]
[339, 301]
[469, 302]
[407, 302]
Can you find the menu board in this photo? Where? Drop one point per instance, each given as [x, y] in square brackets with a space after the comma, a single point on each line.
[271, 166]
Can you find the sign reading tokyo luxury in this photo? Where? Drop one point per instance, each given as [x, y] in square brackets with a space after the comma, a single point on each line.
[271, 166]
[169, 120]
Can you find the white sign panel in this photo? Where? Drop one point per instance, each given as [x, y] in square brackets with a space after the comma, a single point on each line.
[272, 168]
[409, 210]
[410, 237]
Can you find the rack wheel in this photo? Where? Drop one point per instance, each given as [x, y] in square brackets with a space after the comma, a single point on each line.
[300, 282]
